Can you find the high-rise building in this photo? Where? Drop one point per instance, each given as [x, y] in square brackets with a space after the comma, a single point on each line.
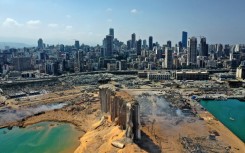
[227, 50]
[111, 32]
[80, 60]
[192, 51]
[184, 39]
[144, 44]
[40, 43]
[108, 46]
[139, 43]
[102, 52]
[179, 47]
[168, 58]
[22, 63]
[203, 47]
[169, 44]
[133, 40]
[62, 47]
[77, 44]
[128, 44]
[104, 47]
[159, 53]
[150, 43]
[237, 48]
[52, 68]
[219, 50]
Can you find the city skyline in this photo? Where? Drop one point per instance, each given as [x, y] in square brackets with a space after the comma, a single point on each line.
[88, 21]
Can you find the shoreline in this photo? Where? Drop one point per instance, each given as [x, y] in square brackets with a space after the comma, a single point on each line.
[222, 124]
[242, 100]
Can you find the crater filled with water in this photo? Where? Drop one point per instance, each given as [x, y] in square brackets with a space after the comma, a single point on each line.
[44, 137]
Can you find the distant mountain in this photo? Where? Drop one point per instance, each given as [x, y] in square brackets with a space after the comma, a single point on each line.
[13, 45]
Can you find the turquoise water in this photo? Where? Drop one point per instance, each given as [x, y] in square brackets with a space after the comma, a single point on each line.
[45, 137]
[230, 112]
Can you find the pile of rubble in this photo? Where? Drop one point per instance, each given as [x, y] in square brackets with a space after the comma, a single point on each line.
[85, 79]
[83, 102]
[34, 88]
[131, 82]
[202, 145]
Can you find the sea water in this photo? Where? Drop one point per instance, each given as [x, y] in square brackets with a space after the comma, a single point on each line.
[230, 112]
[44, 137]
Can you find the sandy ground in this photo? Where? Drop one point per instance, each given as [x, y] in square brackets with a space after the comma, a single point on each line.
[101, 135]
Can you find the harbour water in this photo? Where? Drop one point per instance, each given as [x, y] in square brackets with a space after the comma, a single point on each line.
[230, 112]
[44, 137]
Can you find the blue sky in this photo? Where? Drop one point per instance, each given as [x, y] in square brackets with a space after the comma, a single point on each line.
[62, 21]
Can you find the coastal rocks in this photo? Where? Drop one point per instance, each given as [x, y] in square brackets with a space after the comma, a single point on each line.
[10, 127]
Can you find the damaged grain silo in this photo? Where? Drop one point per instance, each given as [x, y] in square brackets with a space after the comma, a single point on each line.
[122, 109]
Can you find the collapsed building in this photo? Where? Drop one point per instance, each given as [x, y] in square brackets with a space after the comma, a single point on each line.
[122, 109]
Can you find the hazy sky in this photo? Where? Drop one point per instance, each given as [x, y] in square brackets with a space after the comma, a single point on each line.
[62, 21]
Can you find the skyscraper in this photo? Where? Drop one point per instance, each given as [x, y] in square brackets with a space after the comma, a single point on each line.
[227, 50]
[168, 58]
[139, 43]
[133, 40]
[180, 44]
[104, 46]
[150, 43]
[111, 32]
[77, 44]
[128, 44]
[219, 50]
[80, 60]
[179, 48]
[192, 51]
[108, 47]
[40, 43]
[144, 44]
[203, 47]
[169, 44]
[184, 39]
[62, 47]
